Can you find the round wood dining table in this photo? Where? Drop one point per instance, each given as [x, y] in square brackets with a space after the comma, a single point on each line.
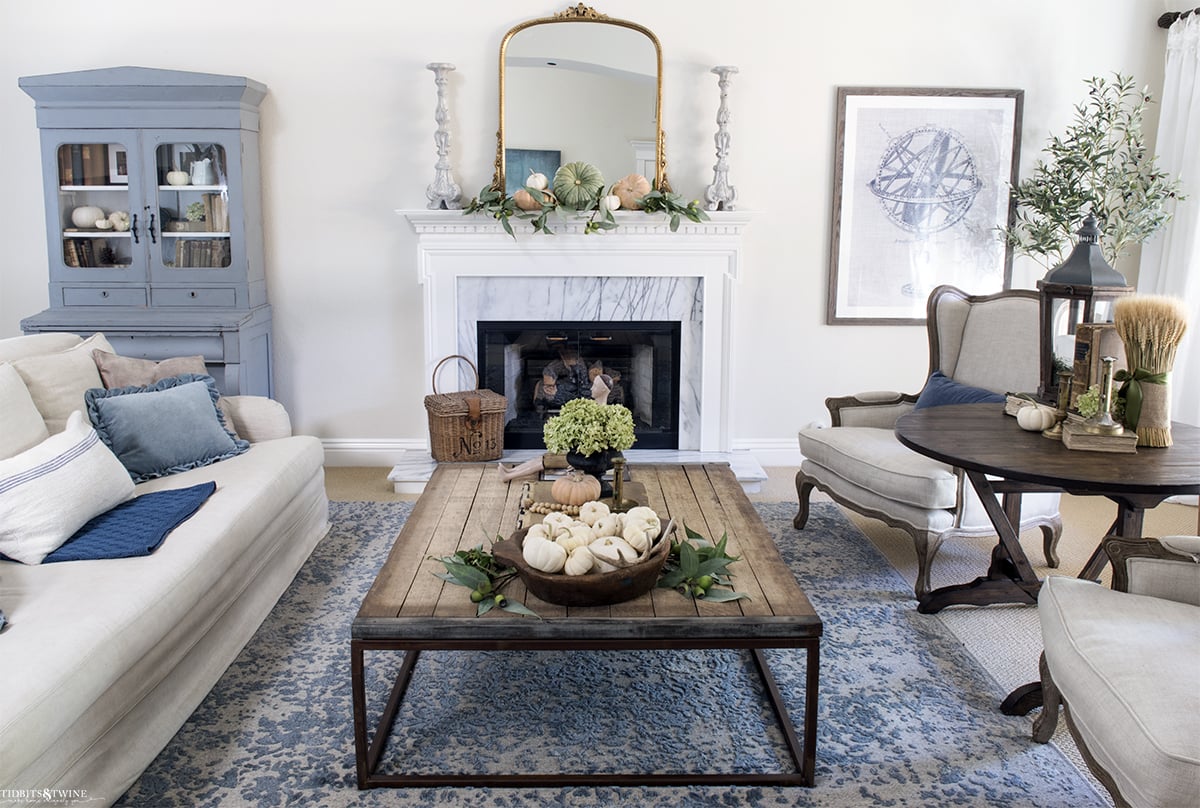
[1003, 460]
[1000, 458]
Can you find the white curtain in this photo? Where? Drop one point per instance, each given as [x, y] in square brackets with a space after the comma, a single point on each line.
[1171, 260]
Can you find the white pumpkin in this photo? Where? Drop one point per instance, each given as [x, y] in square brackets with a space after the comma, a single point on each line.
[539, 531]
[609, 203]
[543, 555]
[1035, 418]
[643, 512]
[639, 533]
[579, 562]
[590, 512]
[607, 525]
[577, 535]
[537, 180]
[556, 520]
[613, 551]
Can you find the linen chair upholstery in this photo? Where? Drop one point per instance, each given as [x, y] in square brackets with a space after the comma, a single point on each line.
[1122, 663]
[991, 342]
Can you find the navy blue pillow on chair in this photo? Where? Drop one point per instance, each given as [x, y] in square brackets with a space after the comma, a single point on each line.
[941, 389]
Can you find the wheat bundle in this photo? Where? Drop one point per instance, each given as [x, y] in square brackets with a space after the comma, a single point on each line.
[1151, 326]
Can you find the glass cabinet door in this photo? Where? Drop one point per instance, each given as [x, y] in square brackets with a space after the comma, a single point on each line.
[96, 212]
[193, 205]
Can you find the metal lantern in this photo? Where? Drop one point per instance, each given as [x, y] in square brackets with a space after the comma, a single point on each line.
[1081, 289]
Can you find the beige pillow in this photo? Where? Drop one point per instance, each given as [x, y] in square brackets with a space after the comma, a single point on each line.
[21, 425]
[128, 371]
[58, 381]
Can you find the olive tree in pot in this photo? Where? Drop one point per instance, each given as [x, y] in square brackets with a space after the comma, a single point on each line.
[1101, 165]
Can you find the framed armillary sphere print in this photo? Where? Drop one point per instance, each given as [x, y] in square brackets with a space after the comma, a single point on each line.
[921, 193]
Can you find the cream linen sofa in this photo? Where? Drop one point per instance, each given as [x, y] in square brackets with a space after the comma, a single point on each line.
[103, 661]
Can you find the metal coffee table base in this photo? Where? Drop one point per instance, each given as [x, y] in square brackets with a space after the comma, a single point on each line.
[802, 752]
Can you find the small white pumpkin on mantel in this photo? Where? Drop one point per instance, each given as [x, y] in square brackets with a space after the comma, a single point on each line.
[610, 203]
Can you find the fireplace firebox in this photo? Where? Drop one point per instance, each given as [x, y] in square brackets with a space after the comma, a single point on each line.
[539, 366]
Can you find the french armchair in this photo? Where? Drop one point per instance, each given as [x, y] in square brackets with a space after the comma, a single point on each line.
[1123, 663]
[988, 342]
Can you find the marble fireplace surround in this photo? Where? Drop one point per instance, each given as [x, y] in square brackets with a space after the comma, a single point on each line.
[471, 270]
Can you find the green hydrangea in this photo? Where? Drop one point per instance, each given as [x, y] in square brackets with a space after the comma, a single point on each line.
[1088, 403]
[588, 427]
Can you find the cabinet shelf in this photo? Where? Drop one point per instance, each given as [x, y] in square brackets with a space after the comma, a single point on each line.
[208, 188]
[73, 188]
[95, 234]
[195, 234]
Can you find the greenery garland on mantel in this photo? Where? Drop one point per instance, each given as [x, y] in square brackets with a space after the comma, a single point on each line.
[599, 214]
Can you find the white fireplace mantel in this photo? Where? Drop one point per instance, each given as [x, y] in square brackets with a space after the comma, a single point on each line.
[471, 270]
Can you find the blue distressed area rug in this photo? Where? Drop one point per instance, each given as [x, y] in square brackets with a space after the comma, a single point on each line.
[907, 716]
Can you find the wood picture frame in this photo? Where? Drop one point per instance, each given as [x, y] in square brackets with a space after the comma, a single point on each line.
[921, 192]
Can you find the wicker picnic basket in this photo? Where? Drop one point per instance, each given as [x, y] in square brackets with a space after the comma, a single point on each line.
[468, 426]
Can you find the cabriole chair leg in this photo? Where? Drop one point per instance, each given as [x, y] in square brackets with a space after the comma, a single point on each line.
[1044, 724]
[803, 491]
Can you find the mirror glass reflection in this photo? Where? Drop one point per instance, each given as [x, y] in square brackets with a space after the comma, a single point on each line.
[579, 91]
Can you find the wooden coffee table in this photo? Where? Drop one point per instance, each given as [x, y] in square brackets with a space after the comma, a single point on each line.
[409, 609]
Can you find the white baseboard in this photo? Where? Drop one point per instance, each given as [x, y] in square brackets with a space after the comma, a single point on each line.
[377, 453]
[771, 452]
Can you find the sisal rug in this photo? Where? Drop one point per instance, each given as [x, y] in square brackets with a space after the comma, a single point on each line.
[907, 717]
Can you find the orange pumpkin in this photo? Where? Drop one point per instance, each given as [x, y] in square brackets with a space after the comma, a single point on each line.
[631, 189]
[575, 488]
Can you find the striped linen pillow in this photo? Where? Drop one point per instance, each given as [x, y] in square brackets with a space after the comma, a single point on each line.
[51, 490]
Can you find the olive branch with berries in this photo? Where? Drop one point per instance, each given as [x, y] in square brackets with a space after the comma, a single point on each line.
[478, 570]
[696, 567]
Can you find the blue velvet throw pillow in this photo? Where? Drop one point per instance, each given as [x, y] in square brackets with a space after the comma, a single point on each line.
[941, 389]
[163, 428]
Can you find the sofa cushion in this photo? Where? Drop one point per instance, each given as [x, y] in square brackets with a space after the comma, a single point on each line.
[941, 390]
[121, 625]
[57, 381]
[873, 459]
[23, 425]
[1126, 666]
[50, 491]
[164, 428]
[35, 344]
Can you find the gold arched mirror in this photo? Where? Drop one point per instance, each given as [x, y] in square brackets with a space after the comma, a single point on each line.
[580, 86]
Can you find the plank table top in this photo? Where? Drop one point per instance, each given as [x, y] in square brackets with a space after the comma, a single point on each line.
[465, 505]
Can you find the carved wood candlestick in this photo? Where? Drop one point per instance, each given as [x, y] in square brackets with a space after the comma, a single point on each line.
[721, 195]
[443, 193]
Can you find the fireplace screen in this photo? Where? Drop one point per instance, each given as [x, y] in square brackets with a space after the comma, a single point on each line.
[539, 366]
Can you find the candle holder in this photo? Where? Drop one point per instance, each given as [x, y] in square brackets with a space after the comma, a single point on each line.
[619, 503]
[1064, 396]
[721, 195]
[1102, 422]
[443, 193]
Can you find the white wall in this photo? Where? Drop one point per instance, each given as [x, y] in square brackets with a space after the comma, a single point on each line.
[348, 138]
